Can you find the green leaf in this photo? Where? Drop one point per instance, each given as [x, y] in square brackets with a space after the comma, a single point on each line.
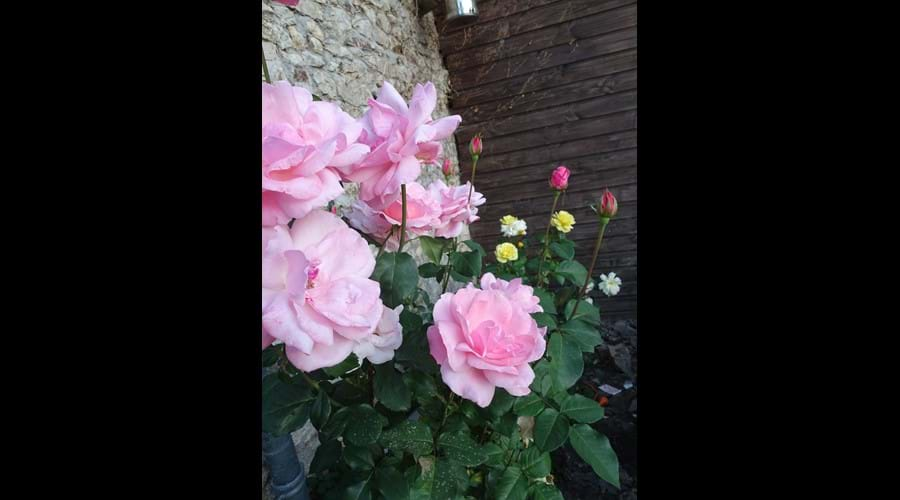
[475, 247]
[595, 449]
[327, 454]
[528, 406]
[567, 363]
[467, 264]
[582, 333]
[587, 312]
[544, 319]
[429, 270]
[450, 479]
[414, 351]
[414, 437]
[550, 430]
[398, 276]
[285, 406]
[336, 424]
[359, 486]
[391, 484]
[358, 457]
[546, 300]
[351, 362]
[564, 249]
[320, 410]
[364, 425]
[421, 385]
[535, 463]
[543, 380]
[495, 455]
[573, 271]
[272, 354]
[581, 409]
[433, 247]
[501, 403]
[543, 491]
[460, 447]
[390, 389]
[511, 485]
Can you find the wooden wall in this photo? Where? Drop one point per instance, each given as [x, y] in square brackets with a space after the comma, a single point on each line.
[547, 83]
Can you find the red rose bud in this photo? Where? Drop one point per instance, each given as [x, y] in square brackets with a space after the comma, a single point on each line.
[603, 401]
[608, 205]
[475, 146]
[559, 179]
[446, 168]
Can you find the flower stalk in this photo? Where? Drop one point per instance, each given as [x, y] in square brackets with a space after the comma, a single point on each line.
[540, 277]
[603, 222]
[403, 220]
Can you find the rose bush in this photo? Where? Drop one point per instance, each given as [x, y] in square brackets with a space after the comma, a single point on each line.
[464, 397]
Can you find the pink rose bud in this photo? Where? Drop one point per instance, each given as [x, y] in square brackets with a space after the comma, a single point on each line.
[475, 146]
[608, 205]
[559, 179]
[446, 168]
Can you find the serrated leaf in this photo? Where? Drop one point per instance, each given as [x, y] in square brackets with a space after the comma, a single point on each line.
[567, 363]
[550, 430]
[467, 264]
[582, 333]
[327, 454]
[364, 425]
[351, 362]
[586, 312]
[358, 457]
[501, 403]
[414, 437]
[460, 447]
[475, 246]
[336, 424]
[544, 319]
[398, 276]
[581, 409]
[573, 271]
[564, 249]
[511, 485]
[429, 270]
[543, 491]
[528, 406]
[535, 463]
[546, 300]
[595, 449]
[321, 410]
[449, 480]
[433, 247]
[495, 454]
[390, 389]
[285, 406]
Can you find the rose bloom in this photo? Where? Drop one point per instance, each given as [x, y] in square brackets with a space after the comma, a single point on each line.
[303, 142]
[400, 136]
[423, 213]
[456, 209]
[485, 338]
[562, 221]
[511, 226]
[506, 252]
[379, 347]
[317, 297]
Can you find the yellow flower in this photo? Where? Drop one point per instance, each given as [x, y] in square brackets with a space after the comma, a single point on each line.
[507, 220]
[562, 221]
[520, 244]
[506, 252]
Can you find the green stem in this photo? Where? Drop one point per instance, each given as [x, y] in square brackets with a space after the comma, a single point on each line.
[309, 380]
[265, 66]
[547, 238]
[383, 243]
[403, 220]
[472, 184]
[603, 222]
[448, 268]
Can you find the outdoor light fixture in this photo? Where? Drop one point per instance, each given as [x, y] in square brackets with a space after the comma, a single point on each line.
[461, 9]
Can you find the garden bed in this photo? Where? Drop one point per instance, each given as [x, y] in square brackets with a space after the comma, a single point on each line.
[615, 363]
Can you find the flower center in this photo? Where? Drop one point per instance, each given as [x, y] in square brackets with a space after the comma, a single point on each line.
[312, 272]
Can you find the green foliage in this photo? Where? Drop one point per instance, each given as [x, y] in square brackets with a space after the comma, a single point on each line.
[595, 449]
[550, 430]
[398, 276]
[286, 406]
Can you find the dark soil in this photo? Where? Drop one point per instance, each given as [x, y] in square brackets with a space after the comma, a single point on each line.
[614, 363]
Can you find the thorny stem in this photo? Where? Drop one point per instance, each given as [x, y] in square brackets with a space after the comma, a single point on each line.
[547, 238]
[472, 184]
[383, 243]
[403, 220]
[603, 222]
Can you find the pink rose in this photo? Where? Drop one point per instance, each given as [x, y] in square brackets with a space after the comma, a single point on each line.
[456, 212]
[317, 295]
[423, 213]
[559, 179]
[400, 138]
[303, 143]
[379, 347]
[485, 338]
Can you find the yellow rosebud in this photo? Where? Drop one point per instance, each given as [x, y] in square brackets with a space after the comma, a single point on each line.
[506, 252]
[508, 220]
[520, 244]
[562, 221]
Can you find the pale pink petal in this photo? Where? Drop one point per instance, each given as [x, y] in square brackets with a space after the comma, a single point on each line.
[389, 95]
[280, 321]
[469, 383]
[322, 356]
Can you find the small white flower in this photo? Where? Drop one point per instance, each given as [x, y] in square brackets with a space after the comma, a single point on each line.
[610, 284]
[590, 286]
[510, 226]
[589, 300]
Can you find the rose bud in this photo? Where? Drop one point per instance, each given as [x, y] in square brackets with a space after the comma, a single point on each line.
[446, 167]
[475, 146]
[608, 205]
[559, 179]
